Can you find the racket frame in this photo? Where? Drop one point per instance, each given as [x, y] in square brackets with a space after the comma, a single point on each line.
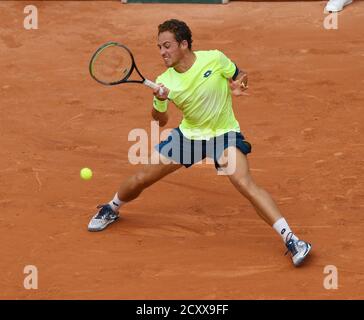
[144, 81]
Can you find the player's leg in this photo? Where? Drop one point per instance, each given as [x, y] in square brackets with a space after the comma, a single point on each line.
[236, 167]
[170, 156]
[133, 186]
[130, 189]
[239, 175]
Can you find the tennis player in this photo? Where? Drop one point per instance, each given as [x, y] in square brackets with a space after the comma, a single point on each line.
[201, 85]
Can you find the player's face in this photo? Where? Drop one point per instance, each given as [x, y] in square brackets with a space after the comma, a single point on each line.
[171, 51]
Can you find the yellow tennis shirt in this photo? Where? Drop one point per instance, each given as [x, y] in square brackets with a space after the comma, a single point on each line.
[203, 95]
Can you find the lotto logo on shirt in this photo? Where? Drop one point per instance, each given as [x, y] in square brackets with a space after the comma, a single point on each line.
[207, 73]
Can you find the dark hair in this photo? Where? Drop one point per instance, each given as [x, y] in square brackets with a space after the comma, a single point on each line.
[180, 30]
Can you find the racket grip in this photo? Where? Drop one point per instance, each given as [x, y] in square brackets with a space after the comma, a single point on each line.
[153, 85]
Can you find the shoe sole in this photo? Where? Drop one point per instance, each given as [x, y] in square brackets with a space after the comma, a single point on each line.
[300, 261]
[103, 227]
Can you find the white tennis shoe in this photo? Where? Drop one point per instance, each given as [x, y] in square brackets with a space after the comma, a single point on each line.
[105, 216]
[337, 5]
[299, 250]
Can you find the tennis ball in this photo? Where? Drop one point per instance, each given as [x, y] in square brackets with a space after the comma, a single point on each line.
[86, 173]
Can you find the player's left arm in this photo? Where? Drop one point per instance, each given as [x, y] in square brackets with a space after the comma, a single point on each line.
[238, 82]
[238, 78]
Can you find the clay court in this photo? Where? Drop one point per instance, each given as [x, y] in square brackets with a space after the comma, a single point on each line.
[192, 235]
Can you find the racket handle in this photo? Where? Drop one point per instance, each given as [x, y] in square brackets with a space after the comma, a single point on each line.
[153, 85]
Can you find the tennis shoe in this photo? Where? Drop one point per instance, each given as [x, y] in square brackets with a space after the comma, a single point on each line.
[299, 250]
[105, 216]
[337, 5]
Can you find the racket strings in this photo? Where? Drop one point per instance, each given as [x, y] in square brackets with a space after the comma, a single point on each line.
[111, 64]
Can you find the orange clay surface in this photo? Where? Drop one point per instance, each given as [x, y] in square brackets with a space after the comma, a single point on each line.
[190, 236]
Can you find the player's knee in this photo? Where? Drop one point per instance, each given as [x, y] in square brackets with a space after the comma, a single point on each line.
[223, 163]
[140, 180]
[247, 186]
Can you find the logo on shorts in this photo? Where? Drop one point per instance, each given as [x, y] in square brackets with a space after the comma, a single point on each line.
[207, 73]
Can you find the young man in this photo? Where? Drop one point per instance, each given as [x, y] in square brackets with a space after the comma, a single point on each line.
[200, 84]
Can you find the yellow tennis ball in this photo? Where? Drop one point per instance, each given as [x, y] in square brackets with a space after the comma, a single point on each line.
[86, 173]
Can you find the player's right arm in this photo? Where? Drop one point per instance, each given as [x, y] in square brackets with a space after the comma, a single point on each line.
[161, 117]
[160, 104]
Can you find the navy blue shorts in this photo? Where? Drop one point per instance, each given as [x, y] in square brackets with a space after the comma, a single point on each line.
[188, 152]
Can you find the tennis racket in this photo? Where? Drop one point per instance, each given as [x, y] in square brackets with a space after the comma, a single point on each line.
[113, 63]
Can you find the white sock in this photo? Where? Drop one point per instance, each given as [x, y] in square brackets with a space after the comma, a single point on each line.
[116, 203]
[283, 229]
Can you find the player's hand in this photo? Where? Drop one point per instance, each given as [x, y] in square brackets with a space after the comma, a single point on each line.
[239, 85]
[161, 93]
